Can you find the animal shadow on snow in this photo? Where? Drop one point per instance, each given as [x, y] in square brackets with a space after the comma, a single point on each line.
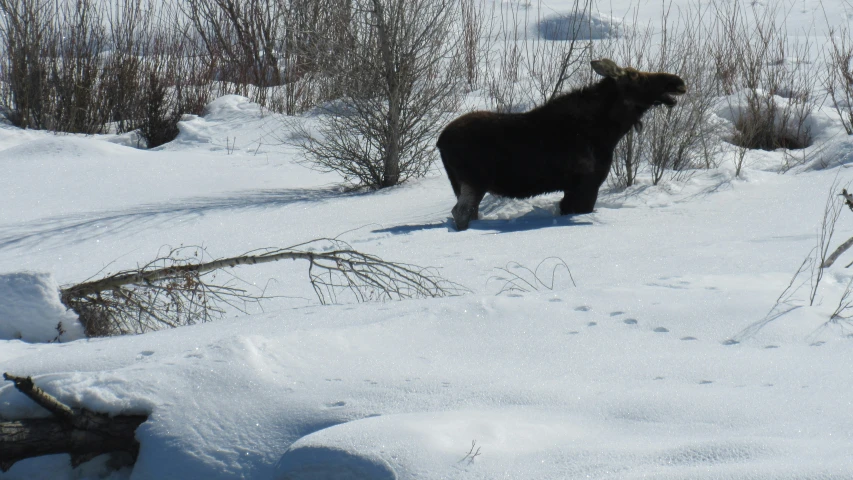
[538, 218]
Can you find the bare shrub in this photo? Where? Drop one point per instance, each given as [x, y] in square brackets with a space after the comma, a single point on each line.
[76, 68]
[672, 141]
[504, 71]
[539, 55]
[811, 272]
[757, 59]
[403, 78]
[282, 55]
[241, 38]
[129, 28]
[477, 24]
[557, 56]
[26, 33]
[839, 83]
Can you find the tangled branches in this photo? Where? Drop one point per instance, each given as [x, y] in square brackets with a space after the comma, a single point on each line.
[180, 289]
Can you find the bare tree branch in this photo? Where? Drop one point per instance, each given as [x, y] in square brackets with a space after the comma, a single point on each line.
[175, 290]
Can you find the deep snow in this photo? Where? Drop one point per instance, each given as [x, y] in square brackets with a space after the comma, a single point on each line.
[622, 371]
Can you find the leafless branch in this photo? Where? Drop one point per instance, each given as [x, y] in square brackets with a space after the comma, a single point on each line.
[178, 288]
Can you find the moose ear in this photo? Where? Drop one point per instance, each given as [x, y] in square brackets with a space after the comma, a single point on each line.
[607, 68]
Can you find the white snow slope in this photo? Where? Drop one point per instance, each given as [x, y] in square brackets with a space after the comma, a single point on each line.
[620, 371]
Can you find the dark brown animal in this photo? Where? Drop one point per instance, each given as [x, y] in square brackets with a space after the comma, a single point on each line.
[564, 145]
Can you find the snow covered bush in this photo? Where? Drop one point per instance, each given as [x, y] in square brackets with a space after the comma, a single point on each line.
[756, 57]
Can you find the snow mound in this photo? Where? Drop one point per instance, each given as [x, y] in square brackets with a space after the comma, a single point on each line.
[230, 124]
[529, 443]
[30, 309]
[323, 463]
[410, 445]
[577, 25]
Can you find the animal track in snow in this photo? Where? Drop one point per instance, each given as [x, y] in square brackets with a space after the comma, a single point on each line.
[583, 308]
[630, 321]
[688, 339]
[661, 330]
[616, 314]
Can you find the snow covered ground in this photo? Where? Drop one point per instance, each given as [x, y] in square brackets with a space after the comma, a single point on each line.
[621, 370]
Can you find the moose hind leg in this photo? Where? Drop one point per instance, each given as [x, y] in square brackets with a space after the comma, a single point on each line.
[467, 206]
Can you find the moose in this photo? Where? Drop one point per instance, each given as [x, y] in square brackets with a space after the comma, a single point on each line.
[564, 145]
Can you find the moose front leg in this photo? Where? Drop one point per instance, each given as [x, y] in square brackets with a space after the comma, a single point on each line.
[580, 197]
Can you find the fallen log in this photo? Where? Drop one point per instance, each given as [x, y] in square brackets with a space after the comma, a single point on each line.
[79, 432]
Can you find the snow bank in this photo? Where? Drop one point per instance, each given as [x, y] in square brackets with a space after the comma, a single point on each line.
[564, 26]
[30, 309]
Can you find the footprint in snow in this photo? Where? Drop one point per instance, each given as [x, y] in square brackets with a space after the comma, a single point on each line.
[616, 314]
[336, 404]
[591, 324]
[769, 347]
[688, 339]
[144, 354]
[583, 308]
[661, 330]
[706, 382]
[630, 321]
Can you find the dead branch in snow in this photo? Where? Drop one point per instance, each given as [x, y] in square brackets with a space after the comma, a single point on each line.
[179, 289]
[848, 200]
[79, 432]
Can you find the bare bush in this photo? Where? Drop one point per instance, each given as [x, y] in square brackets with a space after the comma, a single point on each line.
[538, 55]
[839, 84]
[403, 77]
[242, 38]
[477, 25]
[503, 65]
[557, 55]
[181, 287]
[757, 60]
[282, 54]
[27, 35]
[673, 140]
[129, 27]
[75, 76]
